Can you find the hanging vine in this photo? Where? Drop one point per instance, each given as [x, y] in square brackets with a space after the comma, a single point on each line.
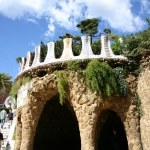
[62, 80]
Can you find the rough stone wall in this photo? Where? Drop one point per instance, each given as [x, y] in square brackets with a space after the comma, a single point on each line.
[87, 108]
[144, 94]
[18, 129]
[42, 90]
[22, 93]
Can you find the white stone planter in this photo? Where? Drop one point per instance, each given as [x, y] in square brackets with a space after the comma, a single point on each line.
[67, 50]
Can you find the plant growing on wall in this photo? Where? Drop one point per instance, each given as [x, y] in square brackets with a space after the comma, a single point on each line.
[62, 81]
[17, 84]
[122, 86]
[76, 66]
[139, 107]
[100, 77]
[15, 88]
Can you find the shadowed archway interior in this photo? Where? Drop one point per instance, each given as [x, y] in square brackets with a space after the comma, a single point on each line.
[57, 128]
[107, 122]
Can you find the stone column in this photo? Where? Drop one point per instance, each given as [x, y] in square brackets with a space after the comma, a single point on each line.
[18, 130]
[87, 117]
[132, 128]
[86, 112]
[29, 123]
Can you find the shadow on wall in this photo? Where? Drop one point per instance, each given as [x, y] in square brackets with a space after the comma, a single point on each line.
[107, 122]
[57, 128]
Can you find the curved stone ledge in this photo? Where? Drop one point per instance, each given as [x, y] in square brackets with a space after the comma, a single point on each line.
[67, 54]
[50, 67]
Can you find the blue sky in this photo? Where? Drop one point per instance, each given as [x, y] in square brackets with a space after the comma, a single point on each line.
[24, 23]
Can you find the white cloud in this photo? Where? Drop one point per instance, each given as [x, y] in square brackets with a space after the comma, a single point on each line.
[51, 28]
[145, 5]
[32, 43]
[67, 13]
[31, 20]
[117, 13]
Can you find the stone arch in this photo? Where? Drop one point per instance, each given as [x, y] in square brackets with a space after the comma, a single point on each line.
[42, 90]
[57, 127]
[109, 120]
[86, 106]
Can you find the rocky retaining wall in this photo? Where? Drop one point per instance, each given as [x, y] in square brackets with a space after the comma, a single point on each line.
[144, 94]
[87, 107]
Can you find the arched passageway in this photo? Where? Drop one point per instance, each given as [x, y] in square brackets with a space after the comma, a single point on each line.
[107, 122]
[57, 128]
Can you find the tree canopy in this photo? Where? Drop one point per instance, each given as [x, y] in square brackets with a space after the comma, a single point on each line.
[5, 83]
[89, 26]
[107, 30]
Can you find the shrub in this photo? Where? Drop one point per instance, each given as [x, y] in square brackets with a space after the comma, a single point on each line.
[100, 78]
[122, 86]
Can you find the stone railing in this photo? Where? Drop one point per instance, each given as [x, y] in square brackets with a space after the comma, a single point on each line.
[67, 54]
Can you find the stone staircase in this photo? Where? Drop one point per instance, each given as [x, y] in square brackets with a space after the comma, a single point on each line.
[8, 132]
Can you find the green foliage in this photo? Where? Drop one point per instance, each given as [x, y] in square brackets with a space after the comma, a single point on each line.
[5, 84]
[148, 21]
[107, 30]
[137, 71]
[133, 65]
[116, 47]
[14, 89]
[5, 81]
[96, 47]
[43, 51]
[18, 59]
[122, 86]
[26, 79]
[32, 58]
[112, 36]
[17, 84]
[62, 81]
[74, 66]
[58, 48]
[66, 36]
[100, 78]
[139, 107]
[89, 26]
[76, 45]
[138, 43]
